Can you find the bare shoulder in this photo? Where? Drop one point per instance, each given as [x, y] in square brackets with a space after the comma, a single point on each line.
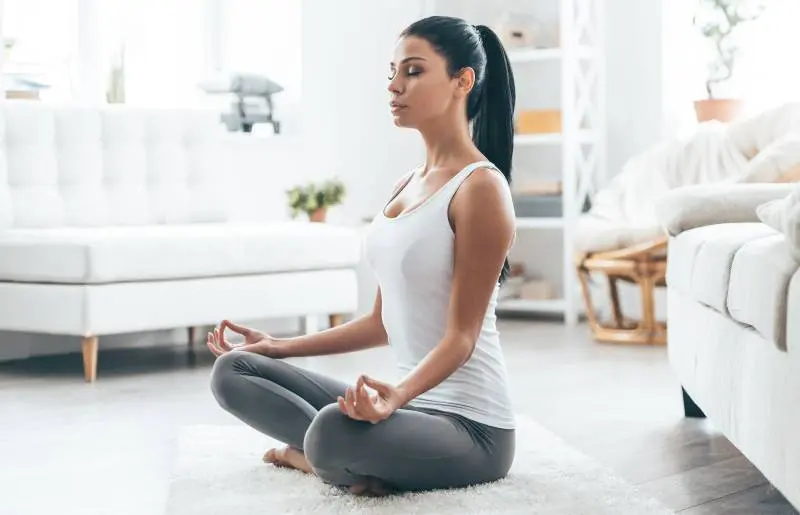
[484, 189]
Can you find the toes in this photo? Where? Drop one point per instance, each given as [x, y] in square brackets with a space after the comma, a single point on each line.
[273, 456]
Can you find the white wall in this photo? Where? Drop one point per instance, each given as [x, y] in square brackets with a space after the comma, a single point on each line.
[347, 124]
[634, 87]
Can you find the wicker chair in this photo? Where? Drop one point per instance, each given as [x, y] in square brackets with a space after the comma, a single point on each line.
[644, 265]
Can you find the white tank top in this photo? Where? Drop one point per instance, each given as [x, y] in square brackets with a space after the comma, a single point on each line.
[412, 258]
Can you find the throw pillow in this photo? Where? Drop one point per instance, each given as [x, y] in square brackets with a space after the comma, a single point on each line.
[783, 215]
[777, 162]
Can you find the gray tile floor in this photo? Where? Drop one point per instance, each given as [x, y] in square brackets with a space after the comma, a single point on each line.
[69, 447]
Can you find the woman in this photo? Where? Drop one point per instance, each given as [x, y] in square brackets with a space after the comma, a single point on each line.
[438, 249]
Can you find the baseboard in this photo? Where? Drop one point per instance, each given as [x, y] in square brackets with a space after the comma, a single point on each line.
[19, 345]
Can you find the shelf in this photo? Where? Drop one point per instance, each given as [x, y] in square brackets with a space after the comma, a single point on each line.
[533, 222]
[532, 306]
[530, 55]
[555, 138]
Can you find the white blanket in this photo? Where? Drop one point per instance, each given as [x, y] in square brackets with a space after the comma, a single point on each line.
[708, 156]
[623, 212]
[756, 148]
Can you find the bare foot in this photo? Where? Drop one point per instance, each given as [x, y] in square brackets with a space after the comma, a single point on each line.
[288, 457]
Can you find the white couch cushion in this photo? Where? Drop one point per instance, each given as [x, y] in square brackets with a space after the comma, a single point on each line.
[700, 260]
[759, 284]
[784, 215]
[741, 270]
[688, 207]
[164, 252]
[82, 166]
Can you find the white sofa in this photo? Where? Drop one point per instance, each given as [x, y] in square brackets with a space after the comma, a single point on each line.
[116, 220]
[734, 321]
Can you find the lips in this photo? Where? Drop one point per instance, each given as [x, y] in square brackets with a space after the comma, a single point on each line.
[396, 106]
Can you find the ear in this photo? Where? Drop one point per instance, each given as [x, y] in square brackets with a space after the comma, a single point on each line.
[465, 81]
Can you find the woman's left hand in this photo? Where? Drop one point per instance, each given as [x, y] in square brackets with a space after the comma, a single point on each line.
[359, 405]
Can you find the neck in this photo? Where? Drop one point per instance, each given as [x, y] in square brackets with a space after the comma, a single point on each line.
[446, 142]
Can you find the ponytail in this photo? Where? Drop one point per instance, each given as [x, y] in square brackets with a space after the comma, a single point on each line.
[493, 122]
[493, 116]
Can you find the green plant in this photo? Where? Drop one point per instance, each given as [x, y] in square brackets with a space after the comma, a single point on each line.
[718, 21]
[310, 197]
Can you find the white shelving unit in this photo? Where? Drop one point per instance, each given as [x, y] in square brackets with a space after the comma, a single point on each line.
[574, 70]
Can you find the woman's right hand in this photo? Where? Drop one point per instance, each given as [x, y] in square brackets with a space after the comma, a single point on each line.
[254, 341]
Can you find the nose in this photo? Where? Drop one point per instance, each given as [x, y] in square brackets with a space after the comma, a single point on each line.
[394, 85]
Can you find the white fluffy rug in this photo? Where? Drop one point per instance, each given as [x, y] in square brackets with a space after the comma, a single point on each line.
[219, 471]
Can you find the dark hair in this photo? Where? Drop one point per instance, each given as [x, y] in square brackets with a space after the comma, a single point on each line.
[490, 106]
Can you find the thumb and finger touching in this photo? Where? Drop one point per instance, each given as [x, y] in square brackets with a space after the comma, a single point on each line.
[376, 385]
[244, 331]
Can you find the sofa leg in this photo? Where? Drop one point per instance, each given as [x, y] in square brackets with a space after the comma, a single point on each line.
[89, 348]
[690, 409]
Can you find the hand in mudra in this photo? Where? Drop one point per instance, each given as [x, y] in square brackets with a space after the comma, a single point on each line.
[254, 341]
[359, 405]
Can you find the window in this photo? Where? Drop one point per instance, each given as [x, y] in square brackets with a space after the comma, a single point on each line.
[764, 74]
[41, 39]
[158, 51]
[161, 44]
[264, 37]
[767, 74]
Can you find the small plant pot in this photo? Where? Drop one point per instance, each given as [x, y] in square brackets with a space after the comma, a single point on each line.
[318, 215]
[721, 109]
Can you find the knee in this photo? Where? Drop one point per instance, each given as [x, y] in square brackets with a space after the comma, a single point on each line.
[226, 376]
[325, 443]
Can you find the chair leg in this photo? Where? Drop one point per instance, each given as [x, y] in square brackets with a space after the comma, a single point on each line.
[89, 349]
[191, 334]
[591, 316]
[653, 332]
[335, 320]
[616, 311]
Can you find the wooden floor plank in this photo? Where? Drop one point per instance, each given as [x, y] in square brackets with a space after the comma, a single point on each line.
[705, 484]
[759, 500]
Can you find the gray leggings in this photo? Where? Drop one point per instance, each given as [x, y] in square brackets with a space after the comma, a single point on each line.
[414, 449]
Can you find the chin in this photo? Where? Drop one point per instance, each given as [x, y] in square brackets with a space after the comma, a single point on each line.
[402, 121]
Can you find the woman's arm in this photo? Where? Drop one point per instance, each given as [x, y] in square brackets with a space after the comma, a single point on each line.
[482, 214]
[361, 333]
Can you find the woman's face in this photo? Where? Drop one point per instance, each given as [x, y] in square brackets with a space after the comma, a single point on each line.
[419, 85]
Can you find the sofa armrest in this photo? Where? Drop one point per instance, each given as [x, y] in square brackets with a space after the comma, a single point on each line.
[688, 207]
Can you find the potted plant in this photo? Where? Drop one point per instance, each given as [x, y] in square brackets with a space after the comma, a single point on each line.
[315, 199]
[718, 21]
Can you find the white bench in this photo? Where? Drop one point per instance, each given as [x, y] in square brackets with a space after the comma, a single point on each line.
[112, 221]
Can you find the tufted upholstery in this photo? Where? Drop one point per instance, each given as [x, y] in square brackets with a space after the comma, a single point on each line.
[741, 270]
[74, 166]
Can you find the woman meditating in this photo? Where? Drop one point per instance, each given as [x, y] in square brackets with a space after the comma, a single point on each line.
[439, 252]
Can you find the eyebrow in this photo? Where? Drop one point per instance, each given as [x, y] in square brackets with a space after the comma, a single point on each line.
[412, 58]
